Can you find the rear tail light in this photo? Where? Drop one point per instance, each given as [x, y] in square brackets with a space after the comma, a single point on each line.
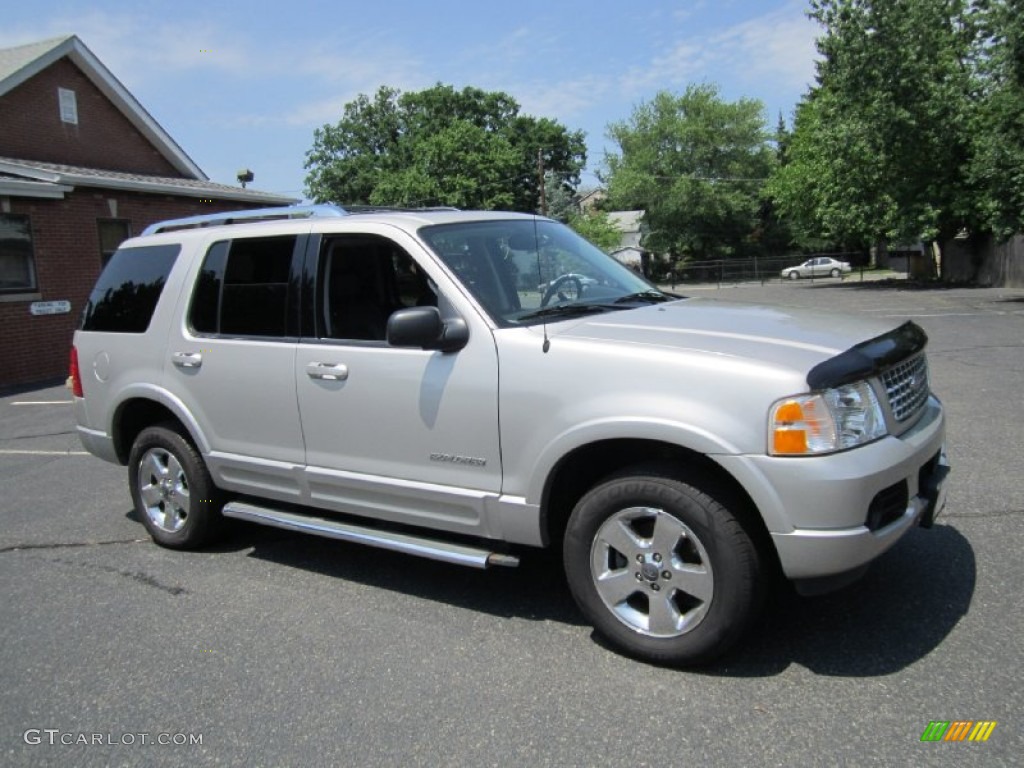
[74, 377]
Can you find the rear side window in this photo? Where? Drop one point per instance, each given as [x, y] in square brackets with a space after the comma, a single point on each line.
[242, 288]
[129, 287]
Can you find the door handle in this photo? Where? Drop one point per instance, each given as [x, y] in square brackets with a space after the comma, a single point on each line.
[187, 359]
[327, 371]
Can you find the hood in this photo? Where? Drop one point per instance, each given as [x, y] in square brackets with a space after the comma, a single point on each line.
[782, 336]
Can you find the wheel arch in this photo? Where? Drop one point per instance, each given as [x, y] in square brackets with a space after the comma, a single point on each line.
[587, 465]
[145, 409]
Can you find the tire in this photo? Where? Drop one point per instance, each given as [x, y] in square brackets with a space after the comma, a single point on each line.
[794, 275]
[662, 570]
[172, 490]
[835, 273]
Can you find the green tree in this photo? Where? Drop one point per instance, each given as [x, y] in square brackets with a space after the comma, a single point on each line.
[997, 165]
[559, 197]
[881, 143]
[695, 164]
[596, 227]
[468, 148]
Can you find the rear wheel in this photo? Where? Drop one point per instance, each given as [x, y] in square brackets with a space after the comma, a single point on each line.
[661, 569]
[171, 488]
[834, 272]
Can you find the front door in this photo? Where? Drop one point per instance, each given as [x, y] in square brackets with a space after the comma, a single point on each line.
[405, 435]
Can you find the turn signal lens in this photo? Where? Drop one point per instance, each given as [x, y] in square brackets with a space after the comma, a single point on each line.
[825, 422]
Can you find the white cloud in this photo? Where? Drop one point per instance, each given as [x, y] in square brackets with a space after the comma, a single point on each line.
[560, 100]
[136, 48]
[779, 45]
[685, 62]
[772, 52]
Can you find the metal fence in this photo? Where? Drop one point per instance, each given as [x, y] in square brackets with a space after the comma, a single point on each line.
[760, 270]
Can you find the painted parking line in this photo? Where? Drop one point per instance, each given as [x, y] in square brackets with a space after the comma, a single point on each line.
[42, 402]
[944, 314]
[12, 452]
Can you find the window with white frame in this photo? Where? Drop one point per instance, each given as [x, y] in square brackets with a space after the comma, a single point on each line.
[68, 106]
[17, 262]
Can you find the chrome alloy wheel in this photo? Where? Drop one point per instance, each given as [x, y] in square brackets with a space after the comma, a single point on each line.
[163, 487]
[652, 572]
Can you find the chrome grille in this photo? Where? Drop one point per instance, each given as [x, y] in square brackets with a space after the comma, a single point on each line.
[906, 385]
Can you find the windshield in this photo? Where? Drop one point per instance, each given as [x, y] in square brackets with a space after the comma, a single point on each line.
[524, 271]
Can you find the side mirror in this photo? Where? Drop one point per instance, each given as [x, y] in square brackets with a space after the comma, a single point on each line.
[423, 327]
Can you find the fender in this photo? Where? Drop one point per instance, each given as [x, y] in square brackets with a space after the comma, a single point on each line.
[667, 431]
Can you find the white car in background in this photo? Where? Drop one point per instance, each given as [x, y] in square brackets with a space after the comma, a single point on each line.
[821, 266]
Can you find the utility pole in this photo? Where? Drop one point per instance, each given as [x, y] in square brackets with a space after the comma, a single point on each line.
[540, 181]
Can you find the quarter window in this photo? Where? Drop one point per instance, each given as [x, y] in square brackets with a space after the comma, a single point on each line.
[128, 289]
[17, 262]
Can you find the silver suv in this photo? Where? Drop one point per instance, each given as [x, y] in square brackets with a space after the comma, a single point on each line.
[464, 385]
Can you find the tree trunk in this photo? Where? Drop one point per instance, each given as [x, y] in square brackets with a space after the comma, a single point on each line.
[881, 254]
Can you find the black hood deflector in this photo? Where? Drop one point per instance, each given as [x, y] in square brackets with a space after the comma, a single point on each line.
[869, 357]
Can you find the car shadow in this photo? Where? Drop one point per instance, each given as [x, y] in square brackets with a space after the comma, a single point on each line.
[536, 590]
[903, 608]
[887, 284]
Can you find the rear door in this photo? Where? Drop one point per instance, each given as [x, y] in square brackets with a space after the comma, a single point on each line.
[231, 362]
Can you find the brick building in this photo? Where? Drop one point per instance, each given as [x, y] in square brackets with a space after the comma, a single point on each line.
[82, 167]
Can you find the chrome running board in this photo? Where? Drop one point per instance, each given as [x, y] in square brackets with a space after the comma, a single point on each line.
[445, 551]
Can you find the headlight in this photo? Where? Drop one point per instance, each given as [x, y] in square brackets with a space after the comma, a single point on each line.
[824, 422]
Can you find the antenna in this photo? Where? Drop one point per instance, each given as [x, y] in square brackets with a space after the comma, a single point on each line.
[536, 251]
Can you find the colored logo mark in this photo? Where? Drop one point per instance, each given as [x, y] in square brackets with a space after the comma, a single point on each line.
[958, 730]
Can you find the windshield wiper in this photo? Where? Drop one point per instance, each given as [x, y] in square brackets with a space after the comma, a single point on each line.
[652, 297]
[567, 310]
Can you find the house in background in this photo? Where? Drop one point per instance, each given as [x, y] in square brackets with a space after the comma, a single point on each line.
[629, 251]
[82, 167]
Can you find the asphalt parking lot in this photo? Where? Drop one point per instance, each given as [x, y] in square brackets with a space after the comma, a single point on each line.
[278, 649]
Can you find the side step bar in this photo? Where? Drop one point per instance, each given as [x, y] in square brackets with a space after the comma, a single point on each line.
[447, 552]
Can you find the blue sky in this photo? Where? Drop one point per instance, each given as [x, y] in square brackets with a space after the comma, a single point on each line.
[245, 85]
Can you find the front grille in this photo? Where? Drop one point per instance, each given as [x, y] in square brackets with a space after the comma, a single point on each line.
[906, 386]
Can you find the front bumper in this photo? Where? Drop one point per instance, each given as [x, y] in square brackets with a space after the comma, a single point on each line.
[818, 510]
[814, 554]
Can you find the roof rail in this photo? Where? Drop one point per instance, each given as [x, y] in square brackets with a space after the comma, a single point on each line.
[246, 217]
[353, 209]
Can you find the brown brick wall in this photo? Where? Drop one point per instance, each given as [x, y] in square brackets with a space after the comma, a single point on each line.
[67, 261]
[103, 138]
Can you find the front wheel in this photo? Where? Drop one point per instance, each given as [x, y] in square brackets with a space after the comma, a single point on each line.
[794, 275]
[835, 273]
[661, 569]
[172, 490]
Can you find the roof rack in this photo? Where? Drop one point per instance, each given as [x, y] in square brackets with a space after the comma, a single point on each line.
[398, 208]
[246, 217]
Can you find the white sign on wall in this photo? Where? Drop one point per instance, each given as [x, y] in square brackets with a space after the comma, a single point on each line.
[50, 307]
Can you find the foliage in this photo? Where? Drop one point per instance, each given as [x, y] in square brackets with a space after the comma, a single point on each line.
[997, 165]
[695, 164]
[559, 197]
[468, 148]
[914, 129]
[598, 228]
